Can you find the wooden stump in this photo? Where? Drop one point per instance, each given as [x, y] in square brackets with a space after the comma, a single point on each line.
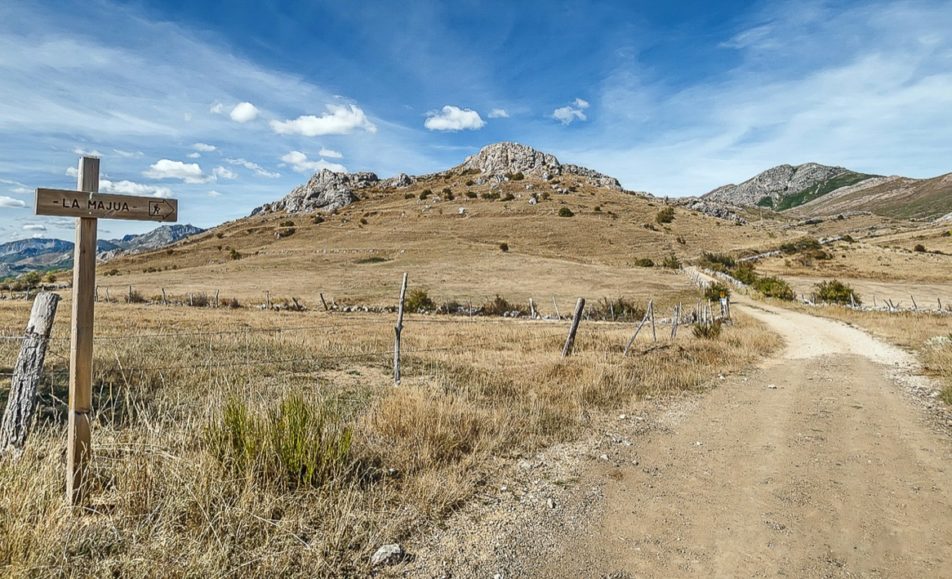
[18, 416]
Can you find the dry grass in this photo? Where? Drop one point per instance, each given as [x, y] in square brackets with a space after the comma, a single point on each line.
[163, 498]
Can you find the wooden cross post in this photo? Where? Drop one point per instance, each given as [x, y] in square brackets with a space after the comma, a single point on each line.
[398, 329]
[89, 206]
[576, 319]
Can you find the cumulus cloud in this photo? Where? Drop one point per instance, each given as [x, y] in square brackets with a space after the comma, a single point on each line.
[258, 169]
[133, 188]
[244, 113]
[330, 153]
[194, 155]
[223, 173]
[573, 112]
[217, 108]
[86, 152]
[451, 118]
[167, 169]
[72, 172]
[34, 227]
[11, 203]
[498, 114]
[204, 148]
[339, 120]
[214, 194]
[300, 163]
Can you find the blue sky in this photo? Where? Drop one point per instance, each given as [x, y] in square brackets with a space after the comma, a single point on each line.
[226, 105]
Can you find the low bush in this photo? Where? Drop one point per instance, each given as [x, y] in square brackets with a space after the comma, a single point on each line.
[773, 287]
[707, 331]
[317, 220]
[371, 259]
[500, 306]
[299, 443]
[618, 309]
[472, 194]
[671, 262]
[745, 273]
[134, 297]
[233, 303]
[425, 193]
[644, 262]
[565, 212]
[199, 300]
[801, 244]
[286, 232]
[490, 195]
[418, 300]
[287, 223]
[235, 254]
[508, 197]
[919, 248]
[515, 176]
[836, 292]
[666, 215]
[504, 247]
[716, 291]
[717, 261]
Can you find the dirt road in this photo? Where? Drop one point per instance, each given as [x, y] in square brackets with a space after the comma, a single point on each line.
[816, 465]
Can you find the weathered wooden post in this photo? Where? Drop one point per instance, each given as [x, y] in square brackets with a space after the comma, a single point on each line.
[89, 205]
[324, 302]
[216, 297]
[21, 403]
[532, 312]
[165, 299]
[654, 334]
[644, 320]
[675, 318]
[576, 319]
[267, 297]
[398, 329]
[915, 306]
[556, 306]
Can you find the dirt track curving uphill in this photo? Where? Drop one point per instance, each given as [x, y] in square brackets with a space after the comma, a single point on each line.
[815, 465]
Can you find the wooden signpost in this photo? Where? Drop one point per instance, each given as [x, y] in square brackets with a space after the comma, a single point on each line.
[89, 205]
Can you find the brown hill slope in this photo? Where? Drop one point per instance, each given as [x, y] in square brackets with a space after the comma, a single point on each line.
[899, 197]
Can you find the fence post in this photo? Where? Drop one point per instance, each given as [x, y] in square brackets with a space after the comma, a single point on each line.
[165, 298]
[324, 302]
[576, 319]
[556, 306]
[267, 296]
[21, 403]
[398, 329]
[654, 334]
[216, 297]
[914, 305]
[644, 320]
[532, 312]
[674, 321]
[108, 299]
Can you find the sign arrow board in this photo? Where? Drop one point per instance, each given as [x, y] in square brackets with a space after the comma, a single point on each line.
[64, 203]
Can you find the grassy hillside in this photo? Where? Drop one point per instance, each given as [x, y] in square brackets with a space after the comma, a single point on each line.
[799, 198]
[898, 198]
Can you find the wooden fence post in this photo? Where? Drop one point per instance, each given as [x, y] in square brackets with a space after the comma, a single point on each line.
[914, 305]
[129, 299]
[108, 299]
[165, 298]
[21, 403]
[324, 302]
[576, 319]
[216, 297]
[267, 296]
[644, 320]
[532, 312]
[556, 306]
[654, 334]
[675, 318]
[398, 329]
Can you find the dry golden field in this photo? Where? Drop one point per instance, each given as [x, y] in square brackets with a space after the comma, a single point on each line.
[201, 415]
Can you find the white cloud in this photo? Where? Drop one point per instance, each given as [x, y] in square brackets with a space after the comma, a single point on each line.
[214, 194]
[258, 169]
[217, 108]
[330, 153]
[86, 152]
[167, 169]
[133, 188]
[300, 163]
[452, 118]
[244, 113]
[128, 154]
[72, 172]
[575, 111]
[339, 120]
[11, 203]
[194, 155]
[34, 227]
[498, 114]
[223, 173]
[204, 148]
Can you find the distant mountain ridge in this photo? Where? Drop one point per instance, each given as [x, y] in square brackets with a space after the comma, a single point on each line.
[25, 255]
[786, 186]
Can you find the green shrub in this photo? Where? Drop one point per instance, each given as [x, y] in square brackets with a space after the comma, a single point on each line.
[644, 262]
[744, 273]
[504, 247]
[666, 215]
[219, 235]
[298, 444]
[671, 262]
[508, 197]
[707, 331]
[947, 233]
[515, 176]
[717, 261]
[835, 292]
[565, 212]
[618, 309]
[371, 259]
[801, 244]
[716, 290]
[317, 220]
[500, 305]
[919, 248]
[848, 238]
[773, 287]
[471, 194]
[425, 193]
[470, 182]
[419, 300]
[235, 254]
[134, 297]
[286, 232]
[30, 280]
[287, 223]
[490, 195]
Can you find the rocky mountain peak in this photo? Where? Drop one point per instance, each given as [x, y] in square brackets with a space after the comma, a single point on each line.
[500, 160]
[326, 190]
[776, 183]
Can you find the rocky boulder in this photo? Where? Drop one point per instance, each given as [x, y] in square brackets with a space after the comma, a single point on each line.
[503, 160]
[325, 191]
